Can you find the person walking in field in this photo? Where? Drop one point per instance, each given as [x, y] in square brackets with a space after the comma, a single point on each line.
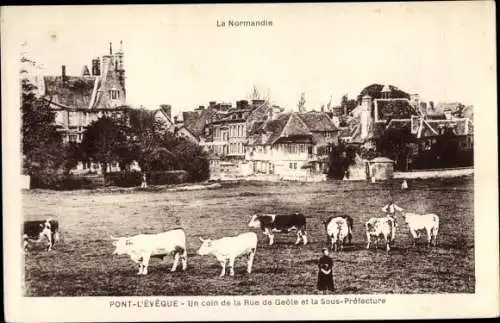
[325, 272]
[391, 208]
[144, 183]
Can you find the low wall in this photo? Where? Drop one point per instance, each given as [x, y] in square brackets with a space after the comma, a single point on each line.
[438, 173]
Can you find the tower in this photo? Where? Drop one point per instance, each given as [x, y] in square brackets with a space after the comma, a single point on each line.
[119, 66]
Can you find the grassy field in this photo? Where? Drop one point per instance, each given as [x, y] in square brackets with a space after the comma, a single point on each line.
[82, 263]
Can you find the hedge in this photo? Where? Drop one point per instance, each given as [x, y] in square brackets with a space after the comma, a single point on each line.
[131, 179]
[61, 182]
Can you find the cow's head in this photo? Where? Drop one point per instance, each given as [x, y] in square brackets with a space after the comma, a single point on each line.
[122, 245]
[254, 222]
[46, 229]
[206, 247]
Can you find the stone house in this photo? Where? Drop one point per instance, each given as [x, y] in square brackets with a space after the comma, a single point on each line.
[289, 145]
[79, 100]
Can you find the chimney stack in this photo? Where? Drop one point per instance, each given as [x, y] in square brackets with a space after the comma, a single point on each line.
[63, 73]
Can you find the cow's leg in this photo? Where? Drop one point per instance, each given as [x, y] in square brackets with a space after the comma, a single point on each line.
[434, 235]
[304, 237]
[223, 265]
[251, 255]
[299, 236]
[145, 263]
[184, 259]
[176, 261]
[368, 240]
[231, 266]
[387, 243]
[271, 238]
[140, 269]
[429, 236]
[414, 236]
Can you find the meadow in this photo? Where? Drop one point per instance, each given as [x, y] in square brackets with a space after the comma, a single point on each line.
[82, 263]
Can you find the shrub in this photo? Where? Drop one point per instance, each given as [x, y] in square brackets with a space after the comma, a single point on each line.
[123, 179]
[132, 179]
[61, 182]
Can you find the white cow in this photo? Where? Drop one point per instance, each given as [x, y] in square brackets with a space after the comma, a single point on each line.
[229, 248]
[337, 229]
[417, 223]
[381, 228]
[142, 247]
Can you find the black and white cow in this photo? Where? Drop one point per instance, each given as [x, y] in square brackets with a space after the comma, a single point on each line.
[34, 231]
[350, 222]
[284, 223]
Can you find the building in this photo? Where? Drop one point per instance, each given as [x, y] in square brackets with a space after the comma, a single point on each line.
[391, 109]
[79, 100]
[291, 146]
[226, 132]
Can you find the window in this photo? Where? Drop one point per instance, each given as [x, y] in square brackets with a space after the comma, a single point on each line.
[114, 94]
[73, 138]
[291, 165]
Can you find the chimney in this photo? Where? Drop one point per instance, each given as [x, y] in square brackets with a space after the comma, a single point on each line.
[63, 73]
[96, 67]
[176, 119]
[366, 104]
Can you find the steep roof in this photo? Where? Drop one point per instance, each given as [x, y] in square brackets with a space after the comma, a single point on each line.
[74, 91]
[196, 121]
[318, 121]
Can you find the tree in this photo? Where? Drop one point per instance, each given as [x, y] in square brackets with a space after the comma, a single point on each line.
[41, 144]
[105, 142]
[339, 160]
[375, 91]
[302, 102]
[394, 144]
[347, 104]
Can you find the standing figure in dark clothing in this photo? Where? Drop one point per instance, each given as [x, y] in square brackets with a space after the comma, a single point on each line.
[325, 272]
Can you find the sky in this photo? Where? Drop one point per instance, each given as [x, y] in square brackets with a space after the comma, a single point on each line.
[177, 55]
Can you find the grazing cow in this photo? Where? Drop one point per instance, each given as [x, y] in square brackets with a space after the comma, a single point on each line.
[337, 230]
[349, 225]
[425, 222]
[381, 228]
[284, 223]
[229, 248]
[34, 231]
[142, 247]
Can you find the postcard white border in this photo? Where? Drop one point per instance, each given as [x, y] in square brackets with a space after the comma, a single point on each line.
[484, 303]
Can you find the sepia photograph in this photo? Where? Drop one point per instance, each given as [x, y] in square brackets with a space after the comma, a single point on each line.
[213, 161]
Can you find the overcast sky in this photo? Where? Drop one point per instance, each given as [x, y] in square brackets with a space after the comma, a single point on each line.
[177, 55]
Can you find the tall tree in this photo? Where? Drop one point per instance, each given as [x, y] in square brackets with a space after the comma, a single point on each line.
[105, 142]
[41, 144]
[302, 103]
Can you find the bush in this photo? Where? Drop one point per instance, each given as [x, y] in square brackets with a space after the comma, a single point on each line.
[123, 179]
[132, 179]
[167, 177]
[60, 182]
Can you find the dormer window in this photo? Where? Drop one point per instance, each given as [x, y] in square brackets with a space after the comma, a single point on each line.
[114, 94]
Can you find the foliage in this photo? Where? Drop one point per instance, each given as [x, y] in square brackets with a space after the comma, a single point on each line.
[105, 141]
[132, 179]
[340, 158]
[302, 102]
[375, 91]
[348, 104]
[60, 182]
[41, 144]
[393, 143]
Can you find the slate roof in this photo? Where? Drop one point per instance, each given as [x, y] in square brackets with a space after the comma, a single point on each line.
[75, 92]
[318, 121]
